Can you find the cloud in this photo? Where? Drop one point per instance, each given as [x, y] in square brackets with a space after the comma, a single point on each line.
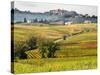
[43, 7]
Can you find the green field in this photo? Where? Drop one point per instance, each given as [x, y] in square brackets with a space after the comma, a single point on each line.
[55, 64]
[77, 51]
[22, 32]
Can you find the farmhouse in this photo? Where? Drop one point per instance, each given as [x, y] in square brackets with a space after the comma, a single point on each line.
[68, 23]
[87, 21]
[28, 21]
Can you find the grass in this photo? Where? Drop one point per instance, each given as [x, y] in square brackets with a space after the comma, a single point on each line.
[82, 37]
[78, 51]
[55, 64]
[22, 32]
[79, 45]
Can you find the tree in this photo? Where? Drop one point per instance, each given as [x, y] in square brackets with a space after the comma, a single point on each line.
[52, 47]
[25, 20]
[87, 16]
[35, 20]
[31, 42]
[41, 21]
[93, 16]
[48, 48]
[19, 50]
[45, 21]
[64, 21]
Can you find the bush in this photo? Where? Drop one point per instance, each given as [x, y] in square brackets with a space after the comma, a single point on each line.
[64, 37]
[20, 47]
[31, 43]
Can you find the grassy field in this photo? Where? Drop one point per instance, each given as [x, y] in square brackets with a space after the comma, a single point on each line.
[77, 51]
[55, 64]
[22, 32]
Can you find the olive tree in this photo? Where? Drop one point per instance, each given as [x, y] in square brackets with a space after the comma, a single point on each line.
[48, 48]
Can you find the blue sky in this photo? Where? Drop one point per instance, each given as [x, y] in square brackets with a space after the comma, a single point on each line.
[43, 7]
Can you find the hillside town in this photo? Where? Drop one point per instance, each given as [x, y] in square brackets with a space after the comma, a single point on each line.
[58, 16]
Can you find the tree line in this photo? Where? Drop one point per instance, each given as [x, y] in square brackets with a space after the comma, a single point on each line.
[36, 20]
[47, 47]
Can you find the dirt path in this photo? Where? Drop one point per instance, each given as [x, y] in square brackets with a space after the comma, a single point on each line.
[61, 39]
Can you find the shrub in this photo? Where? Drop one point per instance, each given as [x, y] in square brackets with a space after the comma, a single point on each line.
[64, 37]
[20, 47]
[31, 42]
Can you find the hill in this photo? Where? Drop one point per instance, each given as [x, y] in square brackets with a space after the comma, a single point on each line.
[50, 16]
[77, 51]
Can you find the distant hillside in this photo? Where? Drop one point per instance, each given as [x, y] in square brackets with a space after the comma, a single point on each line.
[62, 12]
[51, 16]
[51, 12]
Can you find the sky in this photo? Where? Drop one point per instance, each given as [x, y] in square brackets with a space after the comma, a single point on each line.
[44, 7]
